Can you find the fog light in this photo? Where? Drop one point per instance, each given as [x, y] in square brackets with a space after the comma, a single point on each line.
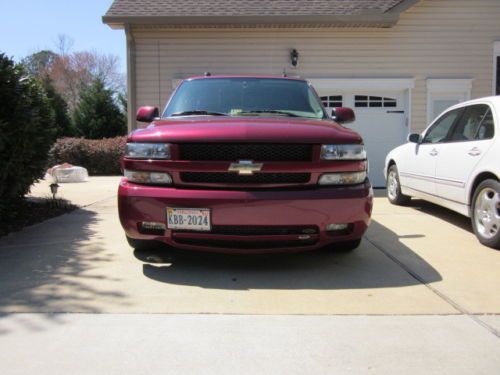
[151, 225]
[344, 178]
[336, 227]
[148, 177]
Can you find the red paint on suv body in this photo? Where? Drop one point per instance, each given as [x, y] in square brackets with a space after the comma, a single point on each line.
[279, 208]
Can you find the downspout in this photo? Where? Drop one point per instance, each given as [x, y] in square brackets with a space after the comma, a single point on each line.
[131, 79]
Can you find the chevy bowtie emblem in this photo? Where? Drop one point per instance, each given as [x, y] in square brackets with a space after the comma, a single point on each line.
[245, 167]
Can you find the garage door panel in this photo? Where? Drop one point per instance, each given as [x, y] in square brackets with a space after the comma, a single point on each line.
[381, 119]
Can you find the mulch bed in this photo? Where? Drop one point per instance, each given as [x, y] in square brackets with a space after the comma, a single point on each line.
[24, 212]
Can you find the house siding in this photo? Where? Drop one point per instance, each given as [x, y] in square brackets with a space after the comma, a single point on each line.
[433, 39]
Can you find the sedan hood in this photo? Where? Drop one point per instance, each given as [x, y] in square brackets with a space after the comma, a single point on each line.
[244, 129]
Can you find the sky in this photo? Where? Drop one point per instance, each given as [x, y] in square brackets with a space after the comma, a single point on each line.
[28, 26]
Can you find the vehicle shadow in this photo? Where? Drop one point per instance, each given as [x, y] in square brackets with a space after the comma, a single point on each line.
[54, 267]
[435, 210]
[442, 213]
[366, 267]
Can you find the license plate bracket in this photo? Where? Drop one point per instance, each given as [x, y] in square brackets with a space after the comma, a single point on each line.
[190, 219]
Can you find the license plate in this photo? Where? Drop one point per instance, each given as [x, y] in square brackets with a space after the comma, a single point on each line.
[188, 218]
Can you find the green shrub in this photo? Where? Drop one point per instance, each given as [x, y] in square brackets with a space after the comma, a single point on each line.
[100, 157]
[97, 115]
[27, 130]
[64, 125]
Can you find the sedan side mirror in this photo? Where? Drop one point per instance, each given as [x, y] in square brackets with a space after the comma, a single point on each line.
[147, 114]
[343, 115]
[414, 138]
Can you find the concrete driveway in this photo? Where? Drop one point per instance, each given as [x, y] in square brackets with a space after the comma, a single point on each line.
[420, 295]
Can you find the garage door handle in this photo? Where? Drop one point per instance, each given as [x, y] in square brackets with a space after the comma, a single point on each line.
[395, 111]
[434, 152]
[474, 152]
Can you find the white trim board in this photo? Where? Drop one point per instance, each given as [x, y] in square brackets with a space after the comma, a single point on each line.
[496, 53]
[496, 48]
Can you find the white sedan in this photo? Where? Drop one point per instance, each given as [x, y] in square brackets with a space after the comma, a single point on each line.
[455, 163]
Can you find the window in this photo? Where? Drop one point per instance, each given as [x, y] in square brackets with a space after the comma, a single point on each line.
[486, 128]
[332, 101]
[389, 102]
[237, 96]
[442, 93]
[364, 101]
[441, 105]
[439, 131]
[475, 123]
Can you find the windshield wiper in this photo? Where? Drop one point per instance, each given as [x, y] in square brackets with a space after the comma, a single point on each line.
[290, 114]
[193, 113]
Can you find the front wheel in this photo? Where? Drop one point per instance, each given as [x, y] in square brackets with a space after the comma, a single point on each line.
[394, 187]
[486, 213]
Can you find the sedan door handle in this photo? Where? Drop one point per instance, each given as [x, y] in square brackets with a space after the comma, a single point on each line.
[474, 152]
[434, 152]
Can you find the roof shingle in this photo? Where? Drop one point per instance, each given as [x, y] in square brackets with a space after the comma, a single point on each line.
[377, 13]
[159, 8]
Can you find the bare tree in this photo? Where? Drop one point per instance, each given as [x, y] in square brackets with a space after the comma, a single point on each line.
[71, 72]
[64, 44]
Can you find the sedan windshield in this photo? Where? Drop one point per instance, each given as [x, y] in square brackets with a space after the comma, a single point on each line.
[245, 97]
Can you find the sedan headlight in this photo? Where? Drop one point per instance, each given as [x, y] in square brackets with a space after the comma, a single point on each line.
[344, 178]
[343, 152]
[147, 150]
[141, 177]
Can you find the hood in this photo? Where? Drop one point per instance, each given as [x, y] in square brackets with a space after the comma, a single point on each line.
[245, 130]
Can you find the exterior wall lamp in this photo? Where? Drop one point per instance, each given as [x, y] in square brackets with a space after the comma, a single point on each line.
[294, 57]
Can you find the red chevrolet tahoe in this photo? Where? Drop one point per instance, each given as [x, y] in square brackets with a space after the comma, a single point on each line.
[245, 164]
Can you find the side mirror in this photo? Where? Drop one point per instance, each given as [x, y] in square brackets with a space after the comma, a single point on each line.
[414, 138]
[147, 114]
[343, 115]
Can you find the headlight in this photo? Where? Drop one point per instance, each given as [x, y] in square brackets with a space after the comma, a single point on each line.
[147, 150]
[343, 152]
[148, 177]
[344, 178]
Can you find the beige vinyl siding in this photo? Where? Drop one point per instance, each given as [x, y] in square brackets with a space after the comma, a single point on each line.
[434, 39]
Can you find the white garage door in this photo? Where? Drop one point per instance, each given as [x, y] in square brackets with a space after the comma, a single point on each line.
[381, 119]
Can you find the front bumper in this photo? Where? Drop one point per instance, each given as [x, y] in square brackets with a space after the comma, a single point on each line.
[250, 209]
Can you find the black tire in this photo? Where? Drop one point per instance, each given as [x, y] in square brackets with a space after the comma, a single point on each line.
[394, 187]
[485, 213]
[142, 244]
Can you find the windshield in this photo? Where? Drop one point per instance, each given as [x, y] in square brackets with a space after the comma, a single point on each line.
[245, 97]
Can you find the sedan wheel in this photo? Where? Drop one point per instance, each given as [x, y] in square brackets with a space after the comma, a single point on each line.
[486, 213]
[394, 188]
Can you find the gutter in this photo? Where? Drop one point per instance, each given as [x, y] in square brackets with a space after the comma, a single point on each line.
[381, 20]
[402, 6]
[131, 79]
